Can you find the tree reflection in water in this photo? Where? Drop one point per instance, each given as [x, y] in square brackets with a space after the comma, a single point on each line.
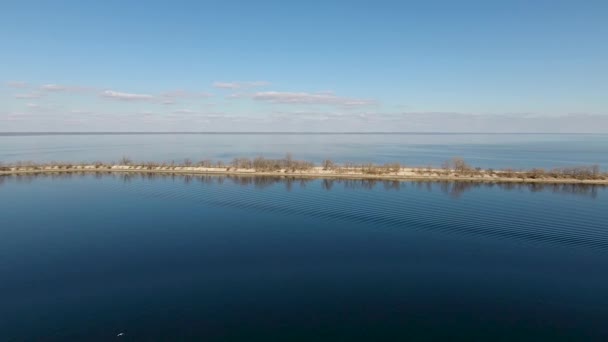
[454, 189]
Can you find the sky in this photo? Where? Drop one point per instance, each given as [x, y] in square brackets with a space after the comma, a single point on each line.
[409, 66]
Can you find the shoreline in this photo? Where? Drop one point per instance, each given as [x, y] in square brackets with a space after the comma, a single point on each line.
[403, 174]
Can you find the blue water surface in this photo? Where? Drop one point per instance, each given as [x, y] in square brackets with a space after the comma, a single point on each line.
[413, 149]
[87, 257]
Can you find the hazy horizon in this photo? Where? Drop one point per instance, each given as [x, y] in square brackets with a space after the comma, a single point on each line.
[291, 132]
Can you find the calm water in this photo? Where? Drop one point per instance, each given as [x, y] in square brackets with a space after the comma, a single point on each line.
[215, 258]
[483, 150]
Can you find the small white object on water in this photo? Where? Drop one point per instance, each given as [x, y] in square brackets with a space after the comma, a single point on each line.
[120, 334]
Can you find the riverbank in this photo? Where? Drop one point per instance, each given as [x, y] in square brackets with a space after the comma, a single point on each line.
[390, 172]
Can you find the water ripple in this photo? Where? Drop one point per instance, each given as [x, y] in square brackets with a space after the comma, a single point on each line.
[477, 217]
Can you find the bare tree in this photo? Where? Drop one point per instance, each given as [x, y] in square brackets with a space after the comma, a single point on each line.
[150, 165]
[289, 160]
[242, 163]
[537, 173]
[328, 164]
[393, 167]
[206, 163]
[595, 170]
[509, 173]
[460, 165]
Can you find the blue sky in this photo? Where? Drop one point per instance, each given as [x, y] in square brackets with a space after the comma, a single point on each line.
[487, 66]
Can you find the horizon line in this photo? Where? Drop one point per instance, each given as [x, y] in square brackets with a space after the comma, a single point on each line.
[275, 132]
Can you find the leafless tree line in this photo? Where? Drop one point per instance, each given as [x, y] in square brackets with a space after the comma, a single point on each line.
[263, 164]
[454, 167]
[459, 166]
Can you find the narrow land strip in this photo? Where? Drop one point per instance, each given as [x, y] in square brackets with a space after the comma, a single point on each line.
[455, 170]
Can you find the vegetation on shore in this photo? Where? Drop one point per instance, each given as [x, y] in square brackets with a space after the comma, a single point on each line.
[453, 168]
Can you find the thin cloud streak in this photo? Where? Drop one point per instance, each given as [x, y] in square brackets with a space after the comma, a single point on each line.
[184, 111]
[53, 87]
[237, 96]
[240, 85]
[185, 94]
[324, 98]
[28, 96]
[116, 95]
[16, 84]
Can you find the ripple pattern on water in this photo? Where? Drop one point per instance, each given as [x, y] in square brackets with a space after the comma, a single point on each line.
[548, 219]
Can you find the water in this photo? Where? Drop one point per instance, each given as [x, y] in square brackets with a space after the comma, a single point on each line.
[86, 257]
[483, 150]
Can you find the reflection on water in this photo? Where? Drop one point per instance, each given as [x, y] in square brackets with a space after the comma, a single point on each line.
[488, 210]
[455, 189]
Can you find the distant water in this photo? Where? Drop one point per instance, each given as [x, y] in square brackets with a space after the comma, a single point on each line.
[260, 259]
[483, 150]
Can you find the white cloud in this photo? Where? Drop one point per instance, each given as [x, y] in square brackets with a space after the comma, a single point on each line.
[28, 96]
[292, 117]
[16, 84]
[184, 111]
[32, 105]
[237, 96]
[324, 98]
[166, 98]
[126, 96]
[185, 94]
[240, 85]
[16, 116]
[53, 87]
[62, 88]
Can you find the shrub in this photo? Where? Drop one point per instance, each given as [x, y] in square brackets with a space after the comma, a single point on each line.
[242, 163]
[125, 160]
[205, 163]
[536, 173]
[150, 165]
[393, 167]
[509, 173]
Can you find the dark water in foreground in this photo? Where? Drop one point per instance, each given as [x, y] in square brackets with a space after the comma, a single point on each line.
[215, 258]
